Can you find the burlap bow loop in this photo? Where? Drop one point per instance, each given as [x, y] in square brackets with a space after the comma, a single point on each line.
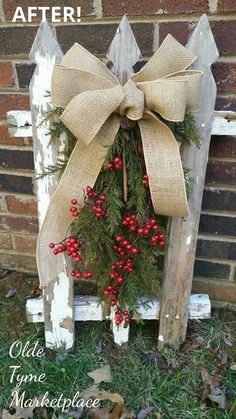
[94, 103]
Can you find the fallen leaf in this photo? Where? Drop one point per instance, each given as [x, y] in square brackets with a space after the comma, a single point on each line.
[217, 394]
[191, 346]
[101, 375]
[144, 412]
[35, 293]
[4, 272]
[115, 411]
[153, 357]
[21, 412]
[228, 340]
[233, 367]
[11, 293]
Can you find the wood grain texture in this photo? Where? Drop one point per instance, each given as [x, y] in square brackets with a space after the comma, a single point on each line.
[58, 295]
[88, 308]
[179, 260]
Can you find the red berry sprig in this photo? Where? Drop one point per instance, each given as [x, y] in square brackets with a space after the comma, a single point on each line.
[98, 207]
[116, 164]
[130, 221]
[72, 248]
[74, 209]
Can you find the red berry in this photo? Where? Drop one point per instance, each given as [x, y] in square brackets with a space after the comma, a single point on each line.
[74, 201]
[73, 273]
[113, 303]
[55, 251]
[51, 245]
[120, 279]
[119, 238]
[160, 237]
[106, 292]
[127, 320]
[134, 250]
[76, 246]
[118, 322]
[78, 275]
[162, 244]
[108, 166]
[140, 231]
[125, 312]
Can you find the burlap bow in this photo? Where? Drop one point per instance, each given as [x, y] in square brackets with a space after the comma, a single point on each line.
[94, 102]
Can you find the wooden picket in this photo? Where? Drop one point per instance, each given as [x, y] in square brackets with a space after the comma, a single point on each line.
[58, 309]
[179, 260]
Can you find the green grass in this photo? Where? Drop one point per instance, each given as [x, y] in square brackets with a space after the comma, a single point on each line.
[177, 391]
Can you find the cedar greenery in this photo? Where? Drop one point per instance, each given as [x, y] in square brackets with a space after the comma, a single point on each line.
[98, 235]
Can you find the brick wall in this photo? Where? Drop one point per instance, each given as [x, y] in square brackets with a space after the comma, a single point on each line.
[151, 21]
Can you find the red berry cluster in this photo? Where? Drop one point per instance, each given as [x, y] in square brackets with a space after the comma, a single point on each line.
[71, 246]
[122, 316]
[158, 239]
[151, 225]
[145, 181]
[124, 247]
[130, 221]
[99, 208]
[74, 210]
[116, 164]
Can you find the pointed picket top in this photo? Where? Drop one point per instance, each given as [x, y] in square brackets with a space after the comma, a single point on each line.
[45, 43]
[123, 51]
[202, 44]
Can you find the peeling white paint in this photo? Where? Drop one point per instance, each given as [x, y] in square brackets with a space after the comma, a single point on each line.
[161, 338]
[167, 316]
[60, 310]
[88, 308]
[188, 241]
[177, 317]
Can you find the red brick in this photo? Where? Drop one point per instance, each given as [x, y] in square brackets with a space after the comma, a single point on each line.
[226, 6]
[5, 241]
[179, 30]
[9, 6]
[21, 205]
[25, 244]
[18, 262]
[225, 103]
[9, 102]
[221, 172]
[224, 32]
[6, 75]
[217, 290]
[97, 37]
[18, 224]
[6, 139]
[152, 7]
[223, 146]
[225, 76]
[2, 204]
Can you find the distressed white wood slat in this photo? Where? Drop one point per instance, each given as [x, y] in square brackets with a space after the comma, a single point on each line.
[58, 295]
[180, 256]
[224, 123]
[88, 308]
[123, 53]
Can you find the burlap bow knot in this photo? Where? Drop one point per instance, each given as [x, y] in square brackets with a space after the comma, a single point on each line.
[94, 102]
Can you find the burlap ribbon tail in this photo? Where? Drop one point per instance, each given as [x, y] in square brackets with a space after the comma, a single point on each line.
[94, 102]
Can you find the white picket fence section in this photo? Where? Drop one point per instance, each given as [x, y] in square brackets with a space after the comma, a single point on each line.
[58, 308]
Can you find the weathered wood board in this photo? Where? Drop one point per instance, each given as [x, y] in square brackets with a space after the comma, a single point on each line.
[88, 308]
[58, 295]
[179, 259]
